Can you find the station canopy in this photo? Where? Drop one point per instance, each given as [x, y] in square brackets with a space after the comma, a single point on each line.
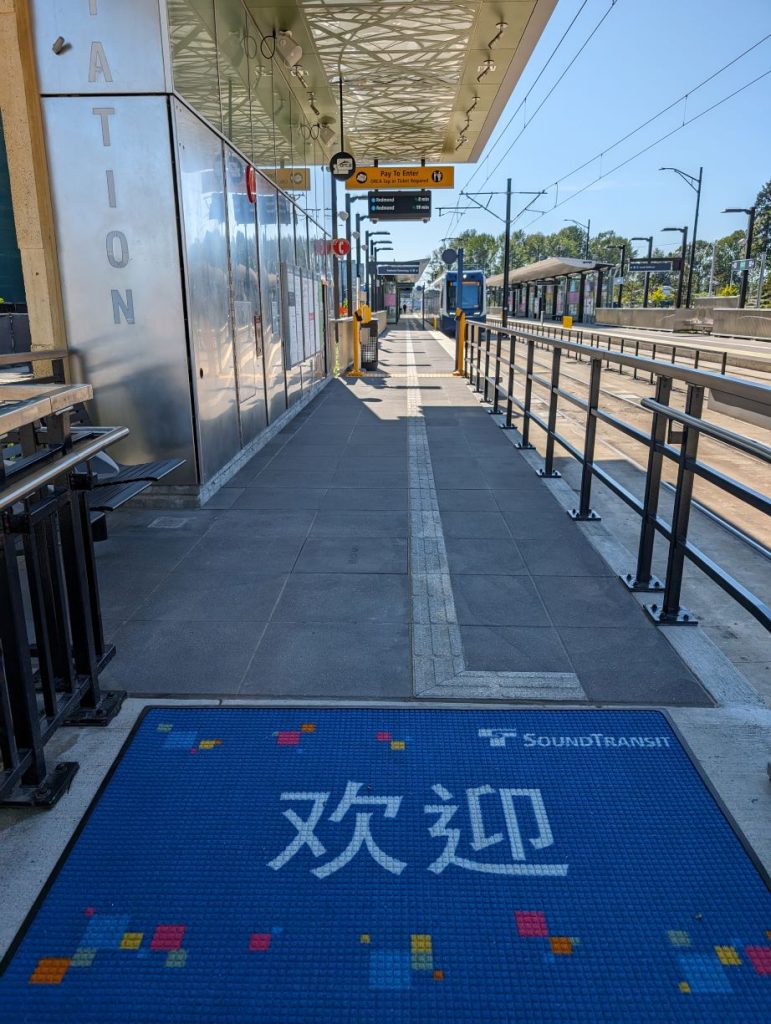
[543, 270]
[414, 78]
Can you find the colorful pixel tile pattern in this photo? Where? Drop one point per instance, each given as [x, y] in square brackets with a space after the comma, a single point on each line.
[366, 877]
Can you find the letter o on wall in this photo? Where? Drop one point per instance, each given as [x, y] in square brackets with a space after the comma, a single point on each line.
[116, 240]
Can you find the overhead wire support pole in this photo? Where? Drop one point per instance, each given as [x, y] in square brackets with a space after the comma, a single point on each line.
[506, 255]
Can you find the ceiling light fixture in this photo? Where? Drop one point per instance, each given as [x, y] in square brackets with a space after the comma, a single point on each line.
[312, 104]
[288, 49]
[485, 69]
[501, 26]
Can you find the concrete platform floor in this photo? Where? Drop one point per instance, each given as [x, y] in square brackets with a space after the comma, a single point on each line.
[390, 542]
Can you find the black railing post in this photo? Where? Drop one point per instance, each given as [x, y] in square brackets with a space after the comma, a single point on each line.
[524, 444]
[510, 387]
[643, 579]
[497, 374]
[487, 364]
[16, 664]
[548, 469]
[670, 612]
[584, 512]
[479, 358]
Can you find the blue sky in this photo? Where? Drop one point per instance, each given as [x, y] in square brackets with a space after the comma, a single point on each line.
[646, 54]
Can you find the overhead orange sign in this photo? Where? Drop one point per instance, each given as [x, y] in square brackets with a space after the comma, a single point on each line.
[401, 177]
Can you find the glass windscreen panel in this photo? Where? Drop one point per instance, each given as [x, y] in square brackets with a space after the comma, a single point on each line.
[471, 294]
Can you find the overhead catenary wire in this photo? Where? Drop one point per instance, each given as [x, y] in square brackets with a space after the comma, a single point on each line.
[523, 103]
[645, 149]
[683, 98]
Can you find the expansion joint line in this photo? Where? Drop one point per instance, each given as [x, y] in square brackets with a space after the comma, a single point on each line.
[438, 664]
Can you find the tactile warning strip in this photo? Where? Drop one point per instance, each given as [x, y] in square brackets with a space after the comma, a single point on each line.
[401, 865]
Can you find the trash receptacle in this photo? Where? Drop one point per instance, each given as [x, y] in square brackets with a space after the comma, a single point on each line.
[369, 347]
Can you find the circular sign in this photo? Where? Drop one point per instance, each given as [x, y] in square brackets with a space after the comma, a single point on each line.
[341, 246]
[251, 183]
[361, 177]
[449, 256]
[342, 165]
[437, 176]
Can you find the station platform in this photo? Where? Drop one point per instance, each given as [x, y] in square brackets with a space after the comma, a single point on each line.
[390, 543]
[398, 745]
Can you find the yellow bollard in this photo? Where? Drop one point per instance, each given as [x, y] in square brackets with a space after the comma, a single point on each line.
[460, 340]
[567, 321]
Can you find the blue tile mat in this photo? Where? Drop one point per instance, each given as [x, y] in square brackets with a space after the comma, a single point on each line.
[457, 867]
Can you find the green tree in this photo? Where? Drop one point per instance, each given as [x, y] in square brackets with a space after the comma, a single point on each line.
[761, 239]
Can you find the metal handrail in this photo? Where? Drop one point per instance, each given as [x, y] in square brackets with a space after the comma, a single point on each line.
[745, 444]
[697, 381]
[80, 452]
[745, 360]
[705, 378]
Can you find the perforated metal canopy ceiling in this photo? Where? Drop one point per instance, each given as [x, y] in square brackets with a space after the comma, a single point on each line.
[412, 72]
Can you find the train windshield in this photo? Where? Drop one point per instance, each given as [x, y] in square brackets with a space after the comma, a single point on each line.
[471, 294]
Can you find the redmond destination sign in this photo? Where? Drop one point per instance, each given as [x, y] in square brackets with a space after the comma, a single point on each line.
[654, 266]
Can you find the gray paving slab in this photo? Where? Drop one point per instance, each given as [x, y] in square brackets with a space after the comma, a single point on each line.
[327, 659]
[212, 597]
[309, 475]
[598, 603]
[286, 498]
[243, 552]
[182, 657]
[529, 496]
[552, 524]
[353, 554]
[514, 649]
[374, 499]
[476, 524]
[498, 601]
[544, 557]
[146, 550]
[123, 590]
[456, 499]
[262, 523]
[371, 474]
[338, 523]
[631, 666]
[484, 555]
[454, 477]
[344, 597]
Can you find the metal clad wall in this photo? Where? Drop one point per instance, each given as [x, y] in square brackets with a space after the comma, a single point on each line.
[270, 285]
[111, 46]
[245, 289]
[113, 196]
[200, 171]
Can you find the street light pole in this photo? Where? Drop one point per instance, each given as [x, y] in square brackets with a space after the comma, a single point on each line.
[750, 211]
[695, 184]
[681, 278]
[587, 228]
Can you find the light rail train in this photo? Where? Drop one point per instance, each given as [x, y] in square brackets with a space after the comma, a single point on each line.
[441, 298]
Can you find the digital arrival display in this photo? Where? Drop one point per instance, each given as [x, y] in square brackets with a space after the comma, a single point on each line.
[402, 865]
[399, 205]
